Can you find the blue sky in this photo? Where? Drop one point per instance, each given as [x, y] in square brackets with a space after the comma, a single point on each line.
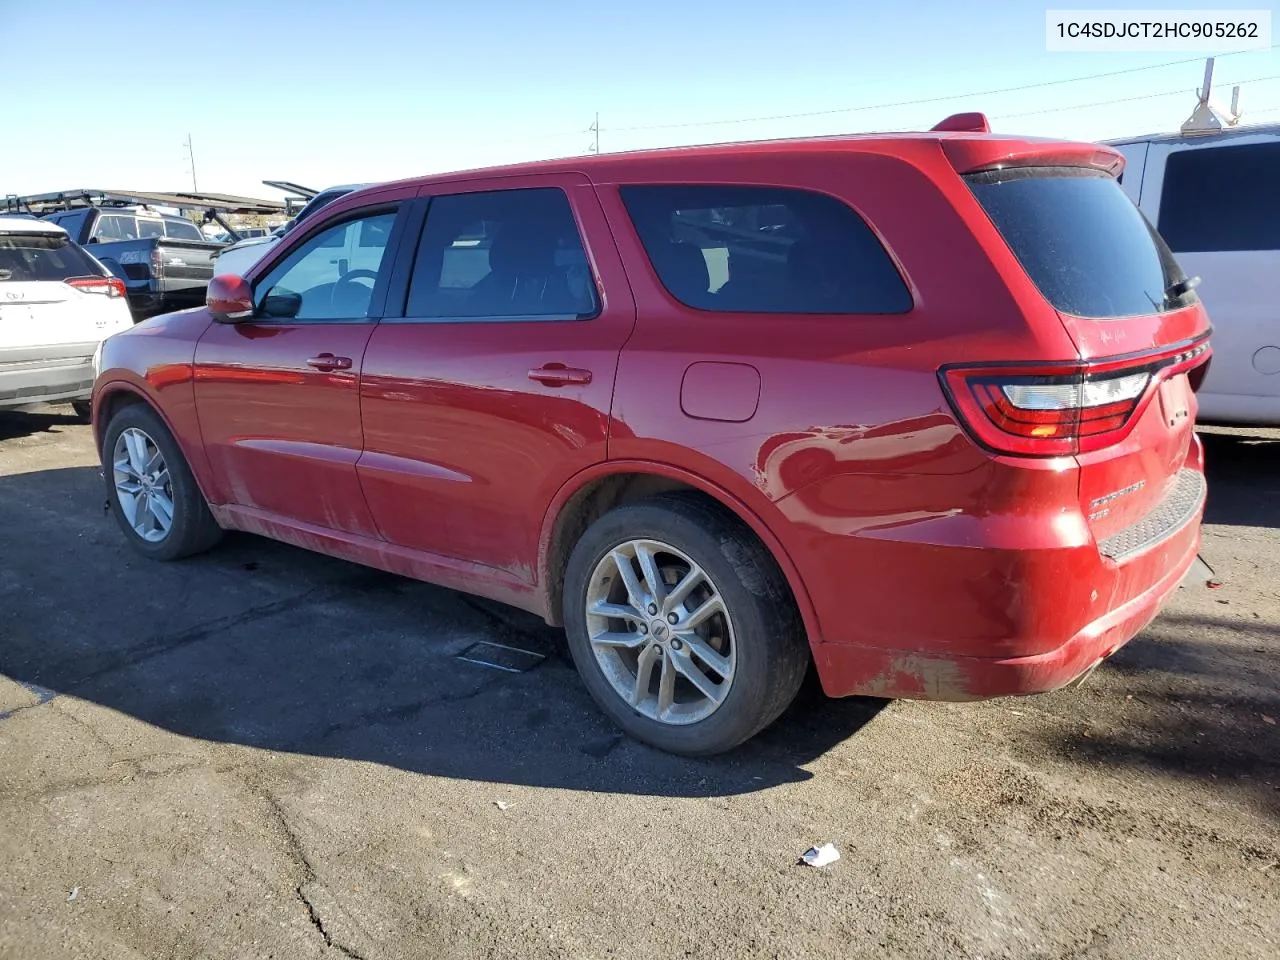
[332, 92]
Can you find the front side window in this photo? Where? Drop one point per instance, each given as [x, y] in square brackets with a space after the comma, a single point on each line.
[502, 255]
[1221, 198]
[331, 275]
[764, 250]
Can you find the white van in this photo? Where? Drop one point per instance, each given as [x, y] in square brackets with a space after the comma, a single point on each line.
[1215, 198]
[57, 305]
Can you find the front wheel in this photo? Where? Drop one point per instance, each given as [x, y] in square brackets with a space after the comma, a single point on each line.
[682, 626]
[152, 492]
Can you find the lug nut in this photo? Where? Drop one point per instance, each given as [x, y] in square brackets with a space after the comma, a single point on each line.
[644, 628]
[676, 644]
[653, 608]
[672, 618]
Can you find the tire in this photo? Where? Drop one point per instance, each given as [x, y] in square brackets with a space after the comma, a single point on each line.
[758, 649]
[83, 409]
[192, 528]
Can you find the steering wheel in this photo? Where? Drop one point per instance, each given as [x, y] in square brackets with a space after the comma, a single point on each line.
[353, 275]
[344, 282]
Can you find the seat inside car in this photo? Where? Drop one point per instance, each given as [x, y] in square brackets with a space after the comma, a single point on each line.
[523, 277]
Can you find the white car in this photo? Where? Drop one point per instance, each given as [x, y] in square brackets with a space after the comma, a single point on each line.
[1215, 198]
[240, 256]
[57, 305]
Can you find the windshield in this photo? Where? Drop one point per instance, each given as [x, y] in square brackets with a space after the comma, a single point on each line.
[1084, 244]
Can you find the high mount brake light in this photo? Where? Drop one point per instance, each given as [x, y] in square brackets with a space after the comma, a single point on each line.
[107, 286]
[1048, 410]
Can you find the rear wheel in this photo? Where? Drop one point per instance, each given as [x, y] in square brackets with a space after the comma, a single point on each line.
[151, 490]
[682, 626]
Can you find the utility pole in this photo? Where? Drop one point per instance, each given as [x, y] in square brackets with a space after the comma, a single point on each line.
[595, 128]
[192, 154]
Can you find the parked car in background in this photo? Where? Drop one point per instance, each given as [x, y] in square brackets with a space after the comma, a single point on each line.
[239, 257]
[164, 260]
[1215, 199]
[57, 304]
[915, 408]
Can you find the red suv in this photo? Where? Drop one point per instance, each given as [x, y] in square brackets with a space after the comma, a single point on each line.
[917, 408]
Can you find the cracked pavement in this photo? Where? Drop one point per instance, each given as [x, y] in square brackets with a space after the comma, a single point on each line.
[264, 753]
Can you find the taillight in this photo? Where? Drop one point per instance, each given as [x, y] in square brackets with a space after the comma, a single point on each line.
[107, 286]
[1056, 409]
[157, 262]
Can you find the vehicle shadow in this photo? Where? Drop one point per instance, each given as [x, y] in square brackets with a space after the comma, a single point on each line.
[265, 645]
[46, 420]
[1243, 471]
[1195, 696]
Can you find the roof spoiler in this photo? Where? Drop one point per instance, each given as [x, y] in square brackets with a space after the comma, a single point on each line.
[963, 123]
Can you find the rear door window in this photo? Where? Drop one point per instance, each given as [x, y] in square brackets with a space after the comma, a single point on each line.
[42, 256]
[1222, 199]
[148, 229]
[501, 255]
[1084, 244]
[764, 250]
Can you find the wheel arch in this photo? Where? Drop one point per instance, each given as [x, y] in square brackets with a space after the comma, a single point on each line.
[594, 491]
[112, 397]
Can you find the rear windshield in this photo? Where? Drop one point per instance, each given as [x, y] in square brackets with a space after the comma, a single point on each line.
[1082, 241]
[182, 230]
[43, 257]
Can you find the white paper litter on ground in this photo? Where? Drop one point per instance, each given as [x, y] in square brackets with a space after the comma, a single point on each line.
[501, 804]
[821, 856]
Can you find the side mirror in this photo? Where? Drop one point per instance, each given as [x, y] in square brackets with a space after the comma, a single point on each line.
[281, 304]
[229, 298]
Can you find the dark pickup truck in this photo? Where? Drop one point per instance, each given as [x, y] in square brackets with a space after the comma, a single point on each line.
[164, 261]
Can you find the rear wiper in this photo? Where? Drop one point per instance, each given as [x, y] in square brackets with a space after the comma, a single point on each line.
[1180, 288]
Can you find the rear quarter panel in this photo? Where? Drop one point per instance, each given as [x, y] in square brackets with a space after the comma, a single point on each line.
[851, 435]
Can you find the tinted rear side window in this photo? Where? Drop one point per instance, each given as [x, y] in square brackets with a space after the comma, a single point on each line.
[1084, 244]
[764, 250]
[42, 257]
[1222, 198]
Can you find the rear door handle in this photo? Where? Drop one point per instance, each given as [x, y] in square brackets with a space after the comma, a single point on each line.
[558, 375]
[327, 362]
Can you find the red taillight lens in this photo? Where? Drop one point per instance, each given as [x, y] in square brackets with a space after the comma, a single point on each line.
[1059, 409]
[107, 286]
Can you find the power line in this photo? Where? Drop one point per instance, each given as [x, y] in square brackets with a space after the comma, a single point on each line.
[1107, 103]
[919, 102]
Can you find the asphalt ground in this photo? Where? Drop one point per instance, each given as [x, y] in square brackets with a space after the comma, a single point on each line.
[263, 752]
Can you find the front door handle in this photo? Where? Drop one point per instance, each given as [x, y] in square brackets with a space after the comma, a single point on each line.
[558, 375]
[328, 362]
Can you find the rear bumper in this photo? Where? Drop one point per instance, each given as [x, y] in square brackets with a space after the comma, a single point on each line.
[1076, 606]
[48, 374]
